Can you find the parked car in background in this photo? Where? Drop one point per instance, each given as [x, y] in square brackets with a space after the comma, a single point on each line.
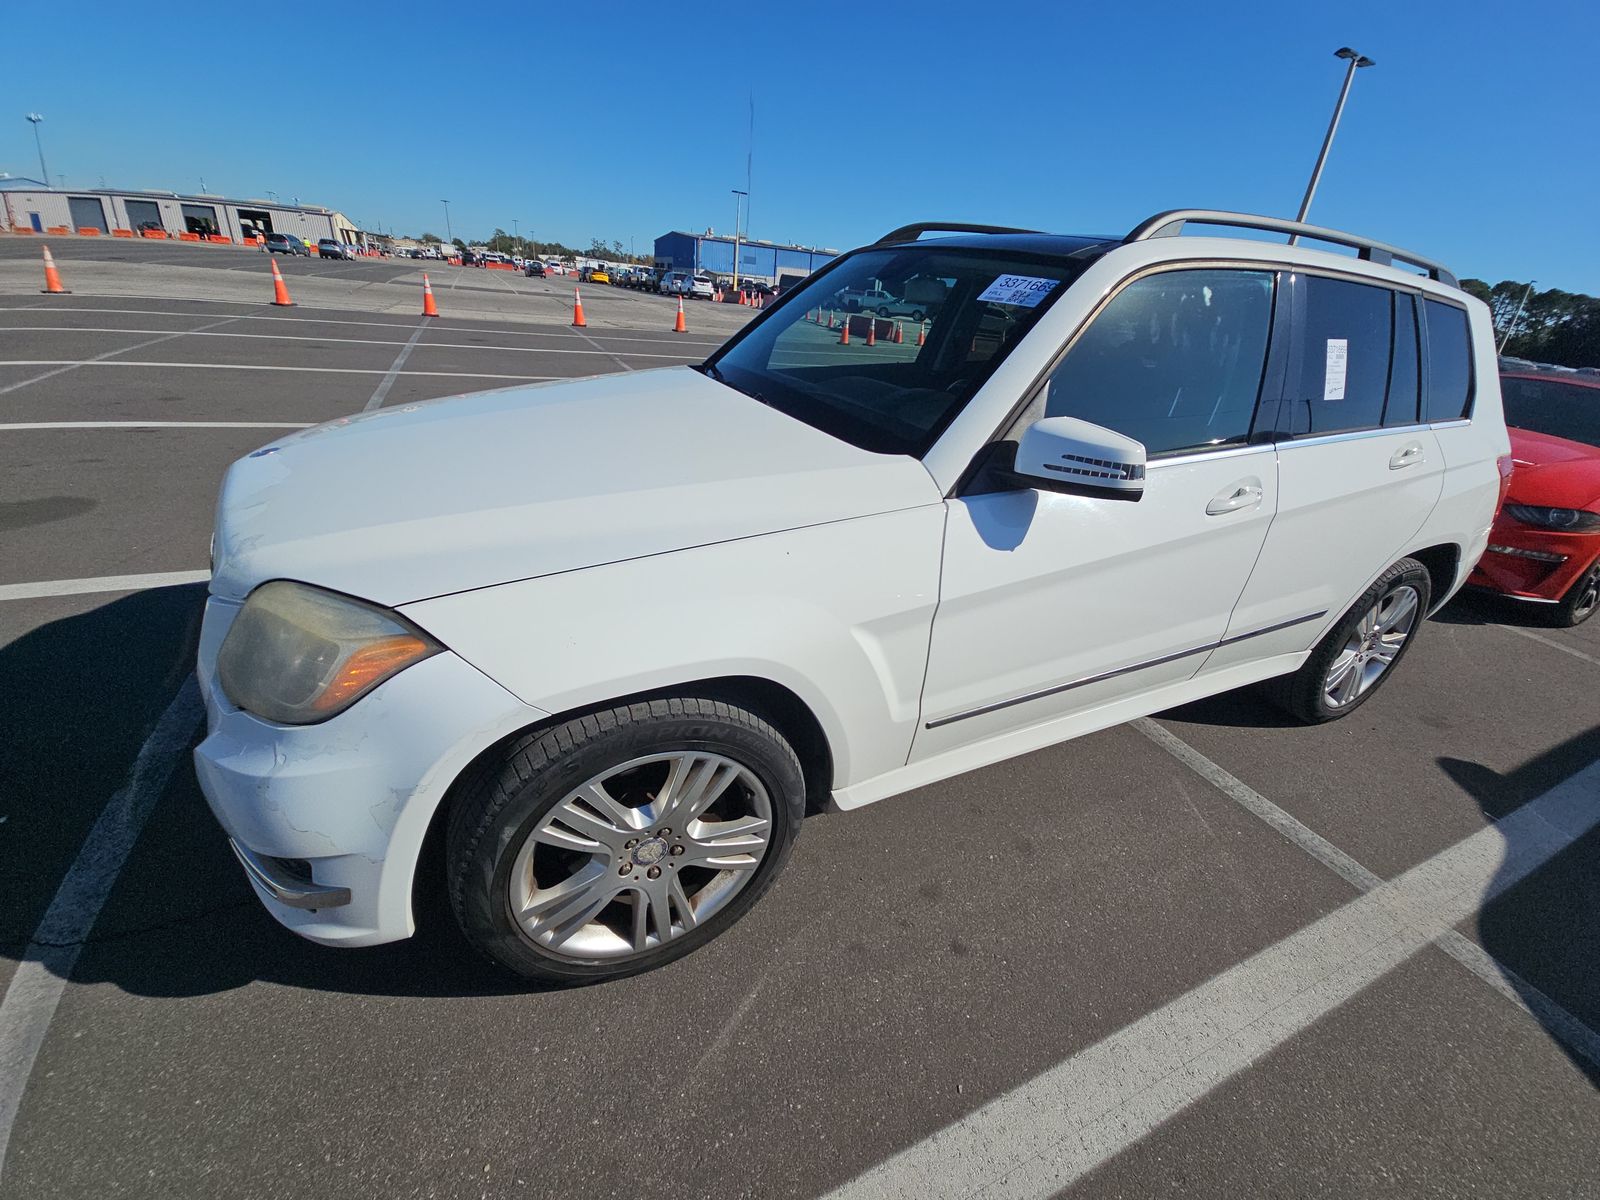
[1545, 545]
[639, 623]
[286, 243]
[676, 283]
[332, 248]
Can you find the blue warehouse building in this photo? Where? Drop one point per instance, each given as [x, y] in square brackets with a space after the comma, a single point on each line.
[713, 255]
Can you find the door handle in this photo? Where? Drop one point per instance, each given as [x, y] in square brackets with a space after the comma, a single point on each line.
[1240, 495]
[1408, 455]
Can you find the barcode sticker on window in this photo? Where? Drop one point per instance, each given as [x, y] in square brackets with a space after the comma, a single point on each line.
[1333, 376]
[1022, 291]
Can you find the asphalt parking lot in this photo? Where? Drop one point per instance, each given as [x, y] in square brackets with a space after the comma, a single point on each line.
[1212, 954]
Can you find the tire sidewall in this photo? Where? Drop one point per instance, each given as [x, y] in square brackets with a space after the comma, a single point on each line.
[485, 905]
[1566, 612]
[1407, 571]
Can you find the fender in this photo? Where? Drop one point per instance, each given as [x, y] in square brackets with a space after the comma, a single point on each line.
[839, 614]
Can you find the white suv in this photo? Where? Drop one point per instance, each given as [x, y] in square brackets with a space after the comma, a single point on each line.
[640, 624]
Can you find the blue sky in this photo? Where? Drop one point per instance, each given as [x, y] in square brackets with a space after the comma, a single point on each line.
[1472, 140]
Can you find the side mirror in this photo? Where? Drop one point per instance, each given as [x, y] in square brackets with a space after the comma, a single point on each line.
[1064, 454]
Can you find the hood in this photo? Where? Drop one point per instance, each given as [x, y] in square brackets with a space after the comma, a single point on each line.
[407, 503]
[1554, 472]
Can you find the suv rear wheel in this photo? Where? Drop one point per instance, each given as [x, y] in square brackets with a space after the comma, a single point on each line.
[1360, 652]
[624, 839]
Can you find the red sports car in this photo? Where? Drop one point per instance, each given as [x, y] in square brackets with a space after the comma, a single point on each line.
[1545, 546]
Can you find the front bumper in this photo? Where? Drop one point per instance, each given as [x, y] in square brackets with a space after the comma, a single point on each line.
[1534, 564]
[328, 820]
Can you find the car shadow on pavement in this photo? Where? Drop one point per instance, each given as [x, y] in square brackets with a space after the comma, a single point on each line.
[83, 692]
[1544, 932]
[1473, 607]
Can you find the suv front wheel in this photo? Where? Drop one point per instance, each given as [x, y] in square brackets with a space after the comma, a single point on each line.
[1360, 652]
[623, 839]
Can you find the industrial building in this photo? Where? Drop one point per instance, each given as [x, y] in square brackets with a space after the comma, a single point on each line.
[31, 207]
[713, 255]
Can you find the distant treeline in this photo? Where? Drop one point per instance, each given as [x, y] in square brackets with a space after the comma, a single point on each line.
[1556, 327]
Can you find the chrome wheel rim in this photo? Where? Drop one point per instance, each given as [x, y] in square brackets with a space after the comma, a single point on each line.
[1372, 647]
[640, 854]
[1589, 595]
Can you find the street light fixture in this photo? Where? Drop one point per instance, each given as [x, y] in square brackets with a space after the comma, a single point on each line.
[738, 207]
[449, 235]
[44, 172]
[1356, 61]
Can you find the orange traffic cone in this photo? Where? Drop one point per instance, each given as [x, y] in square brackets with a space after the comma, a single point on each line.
[922, 333]
[52, 279]
[899, 338]
[429, 308]
[280, 294]
[577, 310]
[680, 326]
[844, 331]
[872, 331]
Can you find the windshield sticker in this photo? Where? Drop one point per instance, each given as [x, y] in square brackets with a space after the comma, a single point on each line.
[1333, 375]
[1023, 291]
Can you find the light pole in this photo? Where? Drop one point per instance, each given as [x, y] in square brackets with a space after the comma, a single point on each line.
[1512, 328]
[44, 172]
[738, 207]
[449, 236]
[516, 230]
[1355, 60]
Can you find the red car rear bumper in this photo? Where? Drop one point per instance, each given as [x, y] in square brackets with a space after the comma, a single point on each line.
[1533, 564]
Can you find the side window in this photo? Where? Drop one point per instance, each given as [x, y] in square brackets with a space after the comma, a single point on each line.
[1175, 360]
[1449, 362]
[1340, 373]
[1401, 408]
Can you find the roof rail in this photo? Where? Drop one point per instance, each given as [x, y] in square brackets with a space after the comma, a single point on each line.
[1170, 224]
[910, 233]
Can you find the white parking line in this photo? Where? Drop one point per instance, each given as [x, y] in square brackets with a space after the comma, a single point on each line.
[1489, 970]
[1551, 642]
[1048, 1133]
[387, 382]
[62, 367]
[41, 976]
[534, 328]
[155, 425]
[100, 583]
[191, 366]
[342, 341]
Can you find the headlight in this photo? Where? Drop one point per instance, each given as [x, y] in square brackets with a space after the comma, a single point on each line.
[298, 654]
[1567, 520]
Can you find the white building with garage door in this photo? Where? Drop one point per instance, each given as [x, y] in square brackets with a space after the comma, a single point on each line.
[29, 207]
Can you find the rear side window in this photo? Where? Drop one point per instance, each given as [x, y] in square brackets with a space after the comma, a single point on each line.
[1449, 362]
[1174, 360]
[1339, 378]
[1401, 408]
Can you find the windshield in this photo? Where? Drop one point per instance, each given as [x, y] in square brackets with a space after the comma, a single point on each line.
[884, 349]
[1563, 410]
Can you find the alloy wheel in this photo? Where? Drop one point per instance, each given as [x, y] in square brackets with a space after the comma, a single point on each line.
[1588, 598]
[640, 855]
[1373, 645]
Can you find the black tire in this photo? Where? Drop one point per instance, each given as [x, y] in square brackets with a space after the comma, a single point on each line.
[917, 314]
[500, 805]
[883, 310]
[1581, 602]
[1303, 693]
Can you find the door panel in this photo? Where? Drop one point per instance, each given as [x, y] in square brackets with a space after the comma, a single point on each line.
[1054, 596]
[1344, 514]
[1351, 499]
